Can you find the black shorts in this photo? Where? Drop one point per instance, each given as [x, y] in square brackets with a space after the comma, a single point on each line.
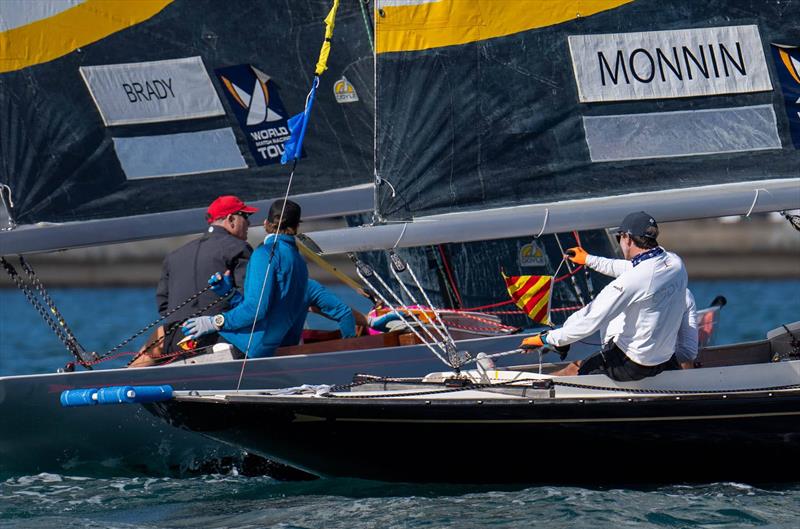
[614, 363]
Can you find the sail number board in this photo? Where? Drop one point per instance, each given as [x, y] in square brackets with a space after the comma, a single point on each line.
[669, 64]
[152, 92]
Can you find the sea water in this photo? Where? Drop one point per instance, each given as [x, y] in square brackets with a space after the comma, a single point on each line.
[101, 318]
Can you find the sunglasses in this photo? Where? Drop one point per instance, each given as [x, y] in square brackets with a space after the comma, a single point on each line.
[619, 236]
[242, 214]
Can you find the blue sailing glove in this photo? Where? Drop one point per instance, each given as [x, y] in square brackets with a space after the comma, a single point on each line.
[221, 284]
[380, 323]
[196, 327]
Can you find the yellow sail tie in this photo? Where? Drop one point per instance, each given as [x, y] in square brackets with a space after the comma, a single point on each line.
[330, 20]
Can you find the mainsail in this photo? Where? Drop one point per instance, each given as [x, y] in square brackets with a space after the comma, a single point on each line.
[504, 119]
[576, 99]
[130, 110]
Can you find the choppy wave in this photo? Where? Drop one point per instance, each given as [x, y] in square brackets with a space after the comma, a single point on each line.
[54, 501]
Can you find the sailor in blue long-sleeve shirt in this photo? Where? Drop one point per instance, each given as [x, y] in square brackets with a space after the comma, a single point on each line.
[331, 307]
[328, 304]
[271, 311]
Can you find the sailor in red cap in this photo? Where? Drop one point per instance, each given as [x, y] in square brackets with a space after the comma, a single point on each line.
[185, 271]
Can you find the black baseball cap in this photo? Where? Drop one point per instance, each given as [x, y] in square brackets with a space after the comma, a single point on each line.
[637, 224]
[291, 213]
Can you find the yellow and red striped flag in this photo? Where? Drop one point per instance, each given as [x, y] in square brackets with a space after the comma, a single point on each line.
[531, 294]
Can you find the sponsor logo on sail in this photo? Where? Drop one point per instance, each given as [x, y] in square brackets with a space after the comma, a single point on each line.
[344, 92]
[669, 64]
[531, 255]
[787, 61]
[256, 100]
[258, 108]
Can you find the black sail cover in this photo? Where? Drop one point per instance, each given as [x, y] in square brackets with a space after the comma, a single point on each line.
[487, 103]
[113, 109]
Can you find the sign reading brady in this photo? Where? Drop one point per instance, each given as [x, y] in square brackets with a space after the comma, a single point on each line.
[666, 64]
[259, 110]
[152, 92]
[787, 59]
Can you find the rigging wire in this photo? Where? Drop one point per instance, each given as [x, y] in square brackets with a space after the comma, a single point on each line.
[266, 275]
[453, 285]
[364, 271]
[397, 265]
[8, 204]
[364, 4]
[321, 66]
[47, 314]
[571, 276]
[587, 274]
[411, 313]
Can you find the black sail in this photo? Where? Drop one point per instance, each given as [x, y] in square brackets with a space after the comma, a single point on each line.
[470, 116]
[63, 163]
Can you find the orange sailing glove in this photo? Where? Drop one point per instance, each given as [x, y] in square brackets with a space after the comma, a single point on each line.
[577, 255]
[534, 342]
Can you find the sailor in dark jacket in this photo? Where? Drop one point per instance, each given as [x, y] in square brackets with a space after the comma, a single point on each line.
[186, 270]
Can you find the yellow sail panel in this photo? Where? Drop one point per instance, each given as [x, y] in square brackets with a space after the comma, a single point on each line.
[427, 24]
[49, 38]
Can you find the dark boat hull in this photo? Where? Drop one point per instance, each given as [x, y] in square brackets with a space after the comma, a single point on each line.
[38, 435]
[753, 438]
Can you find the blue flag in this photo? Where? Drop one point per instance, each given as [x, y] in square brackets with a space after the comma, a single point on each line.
[293, 147]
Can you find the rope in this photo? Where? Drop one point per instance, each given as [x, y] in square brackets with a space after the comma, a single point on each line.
[557, 382]
[443, 332]
[8, 204]
[266, 275]
[478, 318]
[48, 316]
[367, 27]
[449, 273]
[164, 317]
[48, 301]
[359, 265]
[572, 273]
[553, 381]
[587, 275]
[794, 220]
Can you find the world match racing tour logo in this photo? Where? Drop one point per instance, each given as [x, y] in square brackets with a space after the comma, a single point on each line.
[787, 60]
[259, 110]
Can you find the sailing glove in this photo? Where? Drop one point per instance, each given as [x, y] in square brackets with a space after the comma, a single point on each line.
[381, 323]
[221, 284]
[196, 327]
[534, 342]
[577, 255]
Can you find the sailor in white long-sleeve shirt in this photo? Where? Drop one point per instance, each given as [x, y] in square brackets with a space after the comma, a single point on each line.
[650, 293]
[686, 343]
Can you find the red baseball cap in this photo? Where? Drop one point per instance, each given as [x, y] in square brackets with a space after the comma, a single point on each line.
[227, 205]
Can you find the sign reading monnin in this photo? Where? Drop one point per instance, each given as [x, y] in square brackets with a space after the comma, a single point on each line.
[669, 64]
